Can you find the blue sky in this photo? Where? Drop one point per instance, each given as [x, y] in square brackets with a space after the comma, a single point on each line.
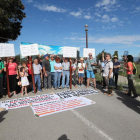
[114, 25]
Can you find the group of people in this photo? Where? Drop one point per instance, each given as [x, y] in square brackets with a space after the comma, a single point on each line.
[50, 73]
[110, 72]
[54, 73]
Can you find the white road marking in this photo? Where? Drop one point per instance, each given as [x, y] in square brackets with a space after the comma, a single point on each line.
[91, 125]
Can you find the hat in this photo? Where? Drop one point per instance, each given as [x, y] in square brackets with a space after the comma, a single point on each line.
[45, 55]
[115, 56]
[81, 59]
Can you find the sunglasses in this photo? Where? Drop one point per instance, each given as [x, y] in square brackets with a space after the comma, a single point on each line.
[90, 55]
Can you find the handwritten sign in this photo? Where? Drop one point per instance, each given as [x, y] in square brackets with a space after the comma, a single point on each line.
[70, 52]
[7, 50]
[86, 52]
[29, 50]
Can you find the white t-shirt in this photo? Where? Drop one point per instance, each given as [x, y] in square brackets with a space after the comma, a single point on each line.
[58, 65]
[107, 67]
[79, 68]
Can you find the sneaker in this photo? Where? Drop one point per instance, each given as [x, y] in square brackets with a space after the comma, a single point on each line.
[67, 87]
[55, 88]
[59, 88]
[81, 85]
[40, 90]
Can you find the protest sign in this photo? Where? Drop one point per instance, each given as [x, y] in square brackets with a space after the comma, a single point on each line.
[23, 102]
[72, 93]
[29, 50]
[7, 50]
[51, 107]
[70, 52]
[86, 52]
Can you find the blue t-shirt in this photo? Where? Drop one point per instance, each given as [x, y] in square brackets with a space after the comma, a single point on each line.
[115, 70]
[52, 65]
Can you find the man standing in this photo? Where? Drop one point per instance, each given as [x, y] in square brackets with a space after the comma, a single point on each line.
[116, 66]
[90, 66]
[47, 73]
[52, 62]
[1, 78]
[65, 73]
[37, 72]
[85, 61]
[108, 72]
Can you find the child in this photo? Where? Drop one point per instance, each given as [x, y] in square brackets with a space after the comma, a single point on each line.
[24, 80]
[81, 67]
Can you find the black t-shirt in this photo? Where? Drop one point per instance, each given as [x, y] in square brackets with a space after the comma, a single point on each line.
[46, 64]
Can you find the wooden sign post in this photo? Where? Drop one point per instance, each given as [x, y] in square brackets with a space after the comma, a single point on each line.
[7, 77]
[33, 80]
[70, 74]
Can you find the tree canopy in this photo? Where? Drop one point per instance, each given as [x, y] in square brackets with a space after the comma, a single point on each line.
[11, 16]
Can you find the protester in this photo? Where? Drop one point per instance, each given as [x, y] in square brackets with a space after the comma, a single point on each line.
[42, 78]
[13, 75]
[37, 72]
[130, 76]
[52, 62]
[74, 81]
[116, 66]
[30, 74]
[90, 66]
[81, 67]
[65, 73]
[58, 72]
[108, 73]
[47, 73]
[24, 80]
[1, 77]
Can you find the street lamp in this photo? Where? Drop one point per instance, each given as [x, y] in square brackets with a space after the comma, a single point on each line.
[86, 29]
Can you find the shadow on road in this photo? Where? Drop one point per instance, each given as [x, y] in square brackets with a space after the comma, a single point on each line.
[2, 114]
[63, 137]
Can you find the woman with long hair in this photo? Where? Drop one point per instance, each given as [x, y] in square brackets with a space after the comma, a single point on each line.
[130, 76]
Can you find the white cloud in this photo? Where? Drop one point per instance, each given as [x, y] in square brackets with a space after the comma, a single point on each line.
[114, 19]
[105, 18]
[29, 1]
[87, 17]
[76, 14]
[97, 14]
[112, 40]
[105, 3]
[45, 7]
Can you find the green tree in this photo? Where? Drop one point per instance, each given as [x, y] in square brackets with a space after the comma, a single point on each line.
[11, 16]
[116, 54]
[99, 56]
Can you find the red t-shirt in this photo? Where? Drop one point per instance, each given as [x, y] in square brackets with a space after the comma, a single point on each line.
[12, 68]
[130, 64]
[29, 70]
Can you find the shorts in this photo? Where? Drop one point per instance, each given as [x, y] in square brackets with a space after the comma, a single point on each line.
[90, 73]
[80, 74]
[30, 78]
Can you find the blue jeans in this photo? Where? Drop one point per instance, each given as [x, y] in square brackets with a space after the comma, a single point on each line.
[57, 77]
[65, 74]
[37, 79]
[53, 79]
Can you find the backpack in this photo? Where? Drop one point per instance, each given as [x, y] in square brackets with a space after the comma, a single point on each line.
[134, 69]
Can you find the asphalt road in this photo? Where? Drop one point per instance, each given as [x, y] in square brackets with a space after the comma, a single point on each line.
[111, 118]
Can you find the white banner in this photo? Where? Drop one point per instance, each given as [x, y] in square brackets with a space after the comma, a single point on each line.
[7, 50]
[23, 102]
[51, 107]
[70, 52]
[86, 52]
[29, 50]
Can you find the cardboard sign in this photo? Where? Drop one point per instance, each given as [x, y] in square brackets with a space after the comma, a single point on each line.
[7, 50]
[48, 108]
[86, 52]
[70, 52]
[29, 50]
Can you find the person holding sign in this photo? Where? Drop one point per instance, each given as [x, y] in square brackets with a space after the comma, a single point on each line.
[13, 72]
[81, 67]
[1, 78]
[90, 66]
